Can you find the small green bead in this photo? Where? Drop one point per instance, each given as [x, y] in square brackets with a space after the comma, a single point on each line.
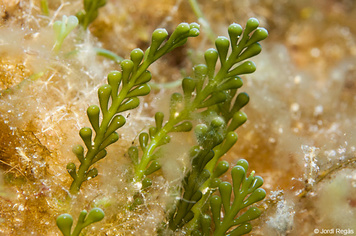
[250, 51]
[230, 140]
[217, 122]
[215, 183]
[78, 150]
[234, 30]
[92, 173]
[114, 78]
[127, 66]
[256, 196]
[221, 168]
[194, 32]
[138, 201]
[257, 182]
[251, 214]
[86, 133]
[194, 26]
[93, 112]
[147, 182]
[99, 156]
[116, 123]
[222, 45]
[159, 116]
[232, 83]
[211, 56]
[133, 154]
[129, 104]
[182, 29]
[176, 97]
[238, 174]
[188, 85]
[71, 168]
[238, 119]
[245, 68]
[241, 100]
[259, 35]
[183, 127]
[200, 71]
[225, 190]
[64, 223]
[166, 139]
[95, 215]
[144, 78]
[159, 35]
[112, 138]
[215, 205]
[104, 93]
[243, 163]
[136, 56]
[143, 139]
[251, 25]
[200, 130]
[152, 131]
[154, 166]
[141, 90]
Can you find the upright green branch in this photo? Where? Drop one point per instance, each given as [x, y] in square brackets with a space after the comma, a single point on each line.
[123, 90]
[206, 90]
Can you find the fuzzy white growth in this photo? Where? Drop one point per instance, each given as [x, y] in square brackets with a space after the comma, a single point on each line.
[282, 221]
[311, 166]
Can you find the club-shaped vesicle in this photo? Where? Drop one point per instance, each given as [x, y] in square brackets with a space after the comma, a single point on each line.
[222, 45]
[140, 90]
[93, 113]
[234, 30]
[104, 93]
[211, 57]
[86, 134]
[129, 104]
[114, 80]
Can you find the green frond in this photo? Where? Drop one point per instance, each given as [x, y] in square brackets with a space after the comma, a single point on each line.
[121, 94]
[65, 221]
[246, 192]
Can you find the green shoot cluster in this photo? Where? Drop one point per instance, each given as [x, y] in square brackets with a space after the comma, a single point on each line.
[62, 29]
[209, 93]
[90, 12]
[246, 192]
[210, 98]
[122, 92]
